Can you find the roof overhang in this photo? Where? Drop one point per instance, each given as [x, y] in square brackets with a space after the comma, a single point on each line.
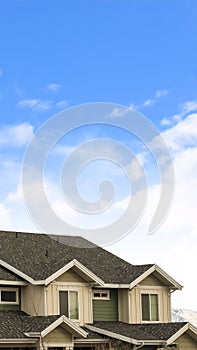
[188, 327]
[70, 326]
[155, 268]
[113, 335]
[74, 263]
[13, 283]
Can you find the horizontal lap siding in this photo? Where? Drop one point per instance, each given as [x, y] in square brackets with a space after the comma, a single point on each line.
[106, 310]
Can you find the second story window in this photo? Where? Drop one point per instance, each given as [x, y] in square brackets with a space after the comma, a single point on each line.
[150, 307]
[68, 304]
[9, 296]
[101, 294]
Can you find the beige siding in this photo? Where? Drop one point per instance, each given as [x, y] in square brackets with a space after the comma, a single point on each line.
[151, 280]
[186, 342]
[85, 300]
[123, 307]
[32, 300]
[70, 276]
[163, 299]
[58, 335]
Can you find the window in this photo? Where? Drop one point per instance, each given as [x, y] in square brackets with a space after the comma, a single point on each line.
[150, 307]
[68, 304]
[9, 296]
[101, 294]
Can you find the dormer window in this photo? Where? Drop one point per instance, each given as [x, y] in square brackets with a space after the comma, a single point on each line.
[9, 296]
[150, 310]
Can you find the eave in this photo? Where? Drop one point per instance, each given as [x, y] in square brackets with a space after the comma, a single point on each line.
[113, 335]
[75, 329]
[155, 268]
[74, 263]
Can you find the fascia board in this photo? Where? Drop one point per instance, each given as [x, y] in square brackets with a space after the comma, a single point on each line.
[156, 268]
[13, 283]
[68, 266]
[142, 276]
[169, 278]
[115, 285]
[59, 321]
[17, 341]
[20, 273]
[113, 335]
[185, 328]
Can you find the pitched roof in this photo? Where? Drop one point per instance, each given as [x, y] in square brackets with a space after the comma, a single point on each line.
[14, 324]
[17, 325]
[39, 256]
[6, 275]
[145, 331]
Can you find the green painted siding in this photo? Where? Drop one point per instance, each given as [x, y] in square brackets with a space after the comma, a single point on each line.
[9, 307]
[106, 310]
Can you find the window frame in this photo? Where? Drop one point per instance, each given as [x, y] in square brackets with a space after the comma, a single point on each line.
[101, 291]
[149, 293]
[7, 289]
[68, 291]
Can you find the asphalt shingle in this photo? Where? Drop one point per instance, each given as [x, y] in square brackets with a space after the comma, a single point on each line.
[39, 256]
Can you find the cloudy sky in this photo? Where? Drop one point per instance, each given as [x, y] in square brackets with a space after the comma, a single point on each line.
[141, 54]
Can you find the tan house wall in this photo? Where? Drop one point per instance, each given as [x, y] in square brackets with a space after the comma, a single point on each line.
[150, 285]
[151, 280]
[70, 281]
[58, 335]
[123, 305]
[32, 300]
[186, 342]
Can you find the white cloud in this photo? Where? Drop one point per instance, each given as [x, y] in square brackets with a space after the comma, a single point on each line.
[183, 134]
[53, 87]
[62, 104]
[36, 104]
[151, 101]
[15, 196]
[5, 217]
[17, 135]
[120, 111]
[188, 107]
[148, 102]
[30, 103]
[161, 93]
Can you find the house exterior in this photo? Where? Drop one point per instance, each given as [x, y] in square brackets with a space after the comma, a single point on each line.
[63, 292]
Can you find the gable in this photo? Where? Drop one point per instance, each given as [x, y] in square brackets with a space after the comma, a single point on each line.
[71, 276]
[186, 342]
[58, 334]
[152, 280]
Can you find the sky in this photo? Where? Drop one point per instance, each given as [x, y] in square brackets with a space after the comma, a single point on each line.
[142, 54]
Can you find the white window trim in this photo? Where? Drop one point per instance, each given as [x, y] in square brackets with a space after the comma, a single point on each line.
[69, 290]
[10, 290]
[149, 292]
[101, 291]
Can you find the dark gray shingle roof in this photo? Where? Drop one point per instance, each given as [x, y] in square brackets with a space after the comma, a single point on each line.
[145, 331]
[39, 256]
[6, 275]
[14, 324]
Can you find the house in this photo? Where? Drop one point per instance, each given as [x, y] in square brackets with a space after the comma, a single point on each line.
[63, 292]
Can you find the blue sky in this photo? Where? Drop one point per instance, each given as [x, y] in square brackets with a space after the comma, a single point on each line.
[141, 54]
